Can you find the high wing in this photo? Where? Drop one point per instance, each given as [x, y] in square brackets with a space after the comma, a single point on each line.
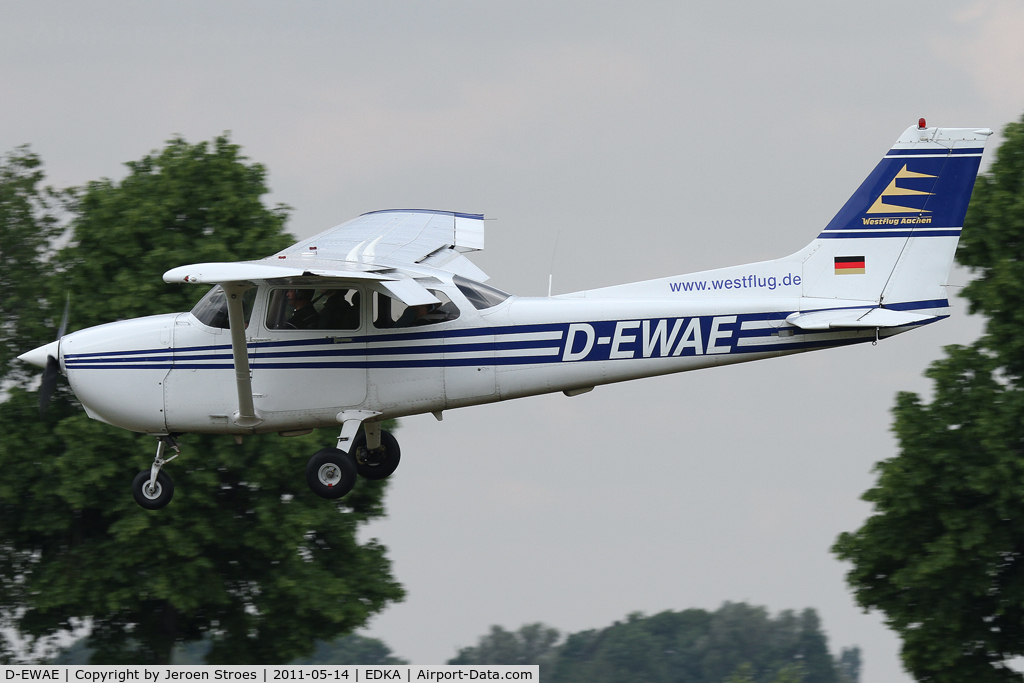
[392, 247]
[400, 238]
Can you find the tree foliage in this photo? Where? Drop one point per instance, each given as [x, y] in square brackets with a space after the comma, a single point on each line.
[352, 650]
[28, 226]
[349, 650]
[942, 555]
[246, 555]
[531, 644]
[737, 642]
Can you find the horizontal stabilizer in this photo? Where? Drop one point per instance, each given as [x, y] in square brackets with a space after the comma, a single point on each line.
[856, 317]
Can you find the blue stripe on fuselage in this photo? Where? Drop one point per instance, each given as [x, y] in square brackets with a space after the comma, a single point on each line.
[586, 341]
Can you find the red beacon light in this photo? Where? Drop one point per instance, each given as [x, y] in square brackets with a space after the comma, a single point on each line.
[921, 124]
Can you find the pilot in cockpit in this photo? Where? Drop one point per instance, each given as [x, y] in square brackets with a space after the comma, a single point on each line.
[304, 316]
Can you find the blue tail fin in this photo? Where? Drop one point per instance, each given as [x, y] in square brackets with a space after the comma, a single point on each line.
[900, 228]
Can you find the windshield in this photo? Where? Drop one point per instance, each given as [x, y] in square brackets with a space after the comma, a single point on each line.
[480, 295]
[212, 309]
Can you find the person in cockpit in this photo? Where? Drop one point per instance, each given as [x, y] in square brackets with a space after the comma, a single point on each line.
[337, 313]
[416, 315]
[304, 316]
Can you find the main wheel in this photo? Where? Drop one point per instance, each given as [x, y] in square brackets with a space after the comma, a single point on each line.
[380, 462]
[331, 473]
[156, 497]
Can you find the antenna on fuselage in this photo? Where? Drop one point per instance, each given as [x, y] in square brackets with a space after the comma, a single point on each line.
[551, 268]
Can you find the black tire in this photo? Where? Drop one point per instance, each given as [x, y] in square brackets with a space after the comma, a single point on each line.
[379, 463]
[331, 473]
[156, 499]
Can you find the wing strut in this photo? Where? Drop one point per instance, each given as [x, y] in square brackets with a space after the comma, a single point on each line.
[246, 415]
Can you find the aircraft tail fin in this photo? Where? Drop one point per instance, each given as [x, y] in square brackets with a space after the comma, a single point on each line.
[894, 240]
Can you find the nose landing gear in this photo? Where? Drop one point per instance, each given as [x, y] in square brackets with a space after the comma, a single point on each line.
[153, 489]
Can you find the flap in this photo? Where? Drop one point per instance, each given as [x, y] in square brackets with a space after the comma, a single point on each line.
[855, 317]
[410, 292]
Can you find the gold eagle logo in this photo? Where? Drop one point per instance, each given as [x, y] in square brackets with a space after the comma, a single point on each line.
[894, 190]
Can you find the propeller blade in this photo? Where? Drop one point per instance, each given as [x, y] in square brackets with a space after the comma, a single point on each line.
[64, 321]
[49, 384]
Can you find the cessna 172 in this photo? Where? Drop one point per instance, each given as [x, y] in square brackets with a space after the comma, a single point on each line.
[384, 316]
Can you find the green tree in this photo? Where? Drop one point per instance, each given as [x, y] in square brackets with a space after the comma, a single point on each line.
[246, 555]
[27, 228]
[791, 673]
[737, 642]
[351, 650]
[744, 673]
[530, 644]
[848, 665]
[942, 555]
[345, 651]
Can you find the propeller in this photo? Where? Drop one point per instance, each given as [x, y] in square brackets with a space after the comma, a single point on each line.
[49, 384]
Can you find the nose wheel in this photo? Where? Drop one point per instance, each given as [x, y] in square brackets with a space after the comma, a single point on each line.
[155, 495]
[153, 488]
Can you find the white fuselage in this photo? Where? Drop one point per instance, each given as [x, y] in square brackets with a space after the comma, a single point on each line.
[173, 374]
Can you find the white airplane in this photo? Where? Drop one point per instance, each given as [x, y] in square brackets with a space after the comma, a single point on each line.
[384, 316]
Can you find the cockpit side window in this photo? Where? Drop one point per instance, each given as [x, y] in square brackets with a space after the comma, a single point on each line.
[314, 309]
[212, 309]
[480, 295]
[391, 313]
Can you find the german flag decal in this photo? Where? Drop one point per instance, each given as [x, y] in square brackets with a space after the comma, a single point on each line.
[849, 265]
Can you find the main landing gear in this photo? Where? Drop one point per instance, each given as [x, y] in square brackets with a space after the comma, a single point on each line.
[331, 473]
[153, 488]
[373, 454]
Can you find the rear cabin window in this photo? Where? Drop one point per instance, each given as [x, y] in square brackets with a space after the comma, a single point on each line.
[389, 313]
[212, 309]
[314, 309]
[480, 295]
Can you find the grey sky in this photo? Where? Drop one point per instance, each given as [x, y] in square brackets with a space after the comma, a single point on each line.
[655, 139]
